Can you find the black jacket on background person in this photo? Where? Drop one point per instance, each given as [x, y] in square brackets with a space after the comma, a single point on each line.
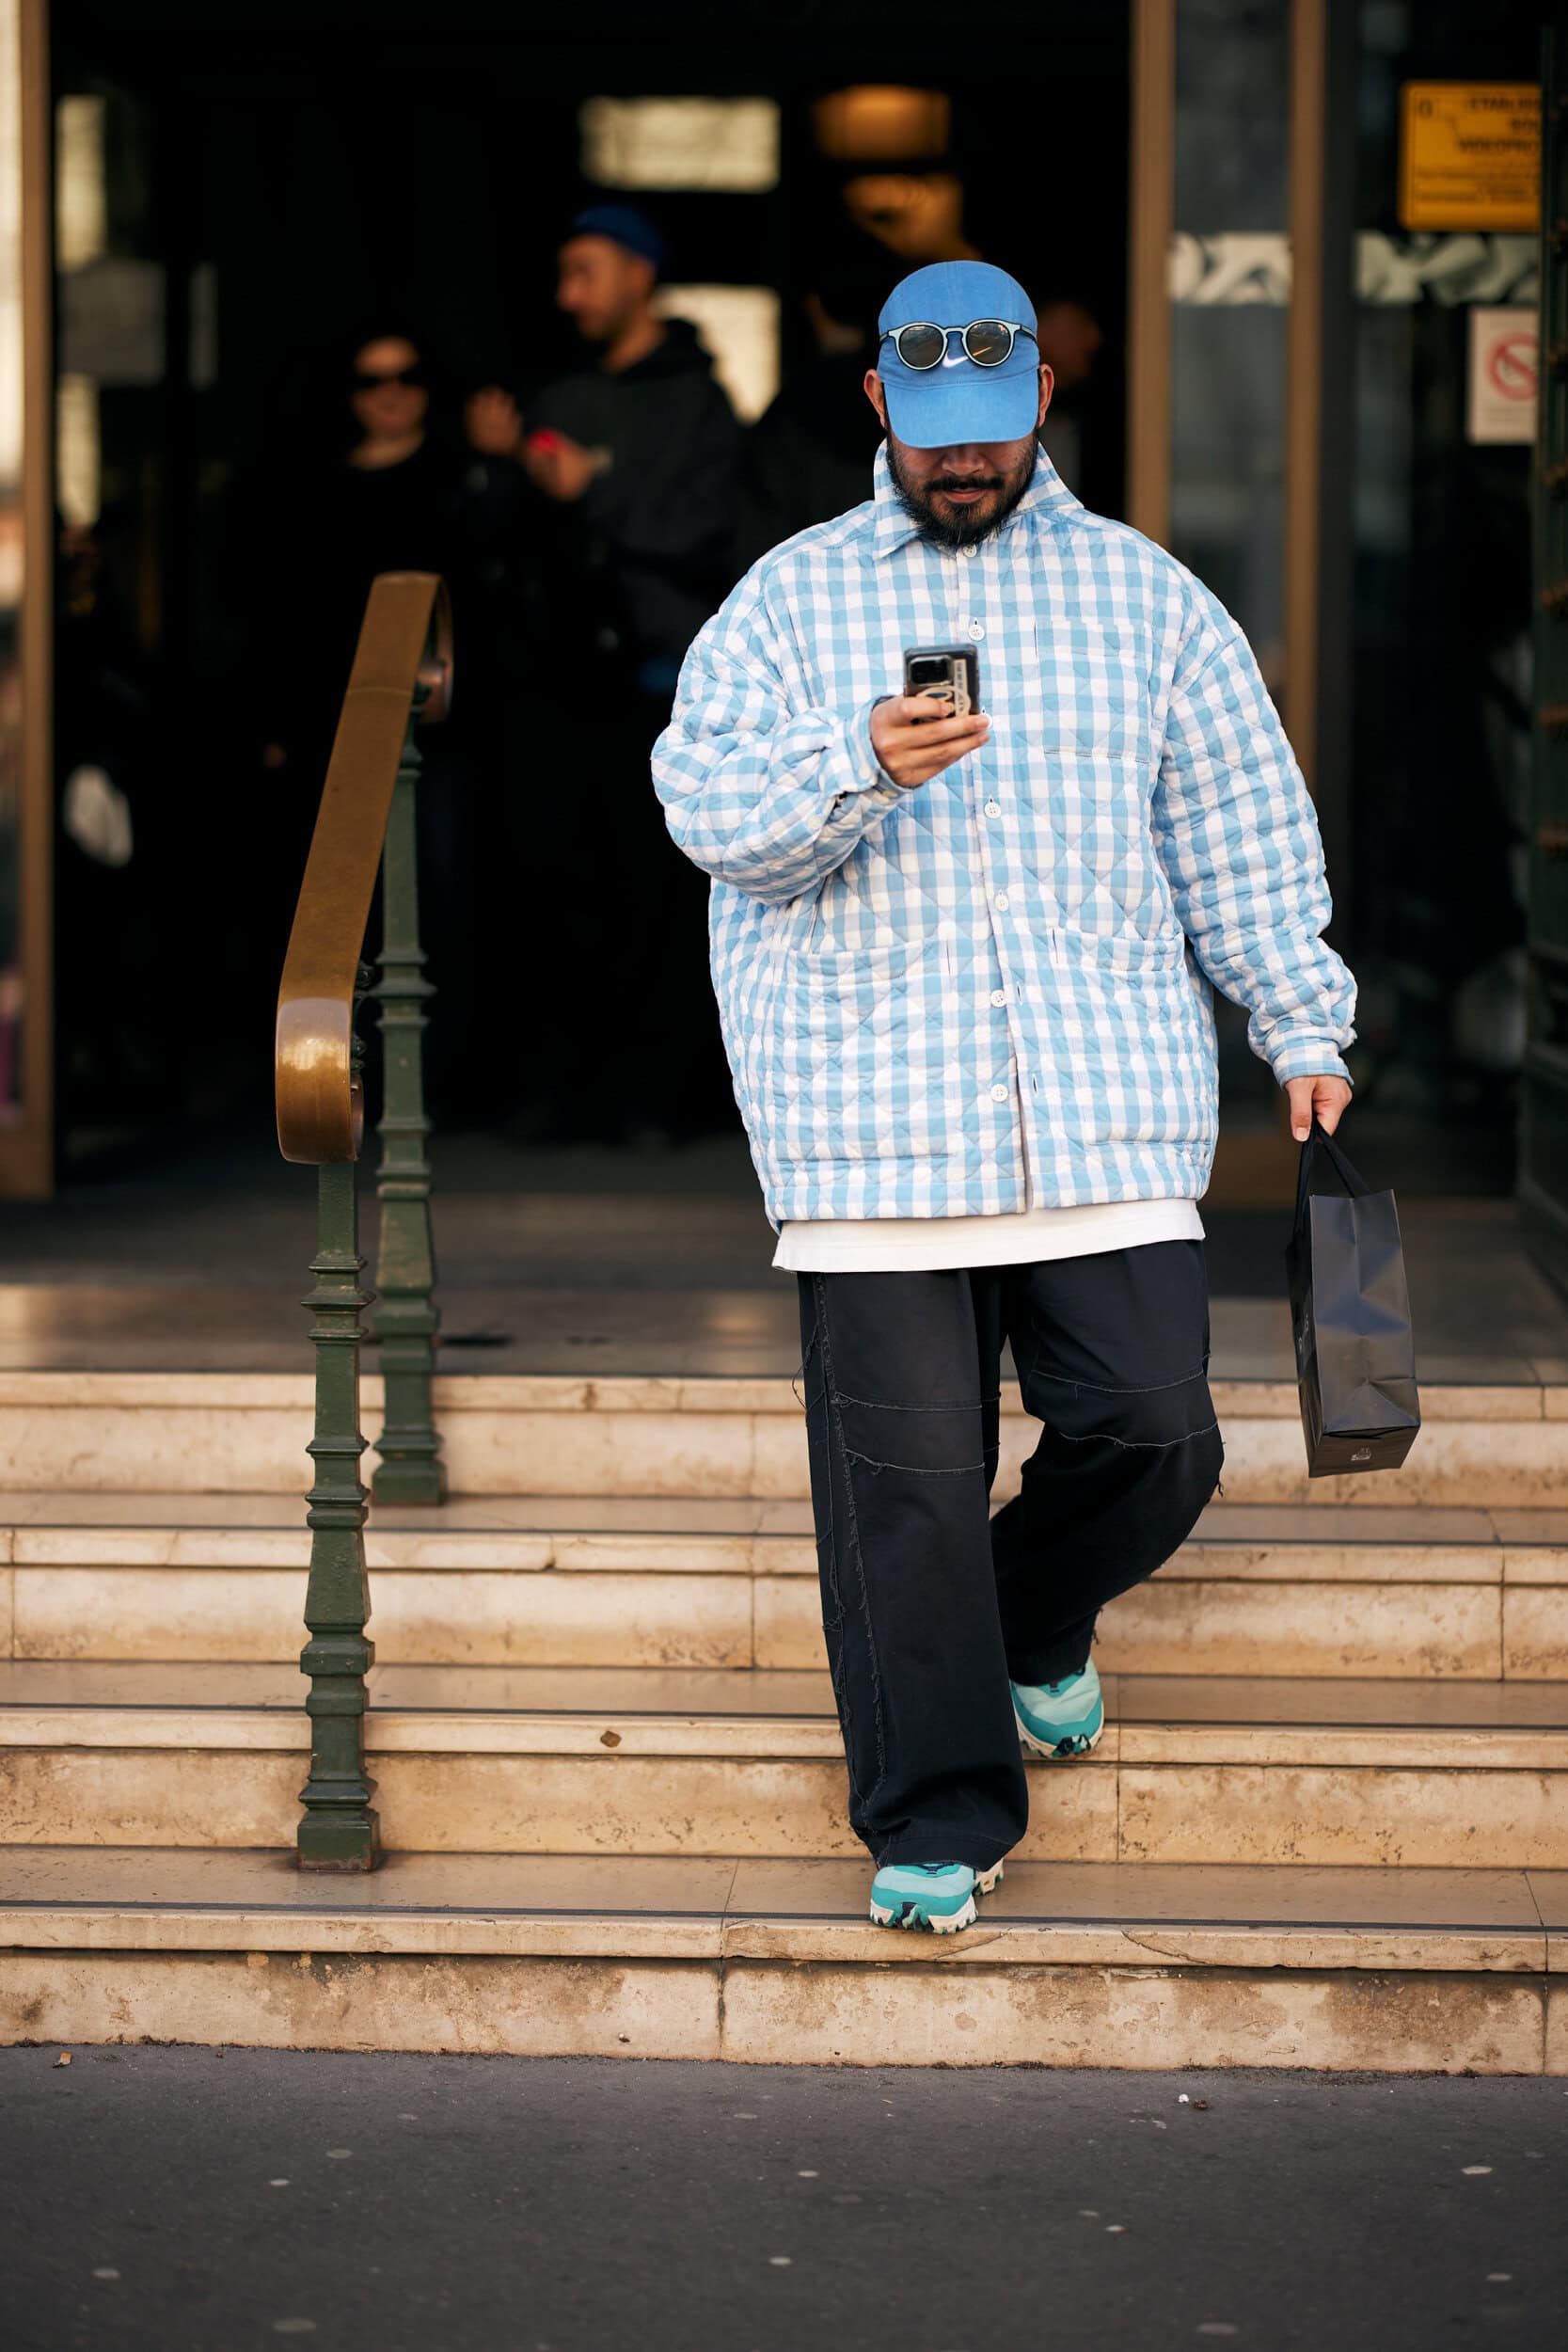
[309, 536]
[646, 551]
[658, 519]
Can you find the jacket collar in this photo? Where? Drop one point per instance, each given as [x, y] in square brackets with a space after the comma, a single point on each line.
[1047, 497]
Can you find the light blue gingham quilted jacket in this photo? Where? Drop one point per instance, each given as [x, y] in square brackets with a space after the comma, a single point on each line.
[993, 991]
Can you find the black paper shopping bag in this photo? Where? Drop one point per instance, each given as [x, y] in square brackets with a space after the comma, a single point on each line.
[1350, 1312]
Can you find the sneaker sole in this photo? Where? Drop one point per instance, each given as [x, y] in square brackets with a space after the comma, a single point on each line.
[1063, 1753]
[913, 1913]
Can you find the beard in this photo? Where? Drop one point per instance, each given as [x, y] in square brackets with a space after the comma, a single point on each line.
[960, 527]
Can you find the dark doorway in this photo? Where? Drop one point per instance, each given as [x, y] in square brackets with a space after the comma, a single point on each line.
[272, 180]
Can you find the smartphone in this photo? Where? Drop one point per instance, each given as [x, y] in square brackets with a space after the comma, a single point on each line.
[948, 673]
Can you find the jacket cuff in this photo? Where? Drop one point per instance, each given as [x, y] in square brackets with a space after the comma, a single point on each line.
[869, 777]
[1304, 1055]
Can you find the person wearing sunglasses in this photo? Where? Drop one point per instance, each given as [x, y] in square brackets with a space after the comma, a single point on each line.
[384, 477]
[388, 397]
[965, 961]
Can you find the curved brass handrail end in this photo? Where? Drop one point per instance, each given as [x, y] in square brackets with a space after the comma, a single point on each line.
[320, 1099]
[403, 660]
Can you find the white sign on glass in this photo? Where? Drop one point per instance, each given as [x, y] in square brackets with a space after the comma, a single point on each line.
[1504, 374]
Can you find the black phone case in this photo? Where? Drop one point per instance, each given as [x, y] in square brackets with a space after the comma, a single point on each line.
[966, 653]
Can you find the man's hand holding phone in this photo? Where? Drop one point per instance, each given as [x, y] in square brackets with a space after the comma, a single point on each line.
[916, 736]
[937, 717]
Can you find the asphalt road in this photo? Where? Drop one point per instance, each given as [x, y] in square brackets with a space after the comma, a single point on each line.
[200, 2201]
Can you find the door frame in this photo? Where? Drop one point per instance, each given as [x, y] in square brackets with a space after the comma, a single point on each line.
[1321, 105]
[28, 1146]
[1255, 1169]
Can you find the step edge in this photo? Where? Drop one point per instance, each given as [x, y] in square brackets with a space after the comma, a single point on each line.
[1173, 1744]
[1133, 1942]
[94, 1550]
[1270, 1397]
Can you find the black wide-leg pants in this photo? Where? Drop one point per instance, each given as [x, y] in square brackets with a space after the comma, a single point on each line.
[929, 1605]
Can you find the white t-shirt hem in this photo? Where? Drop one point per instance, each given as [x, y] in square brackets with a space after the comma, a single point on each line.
[926, 1245]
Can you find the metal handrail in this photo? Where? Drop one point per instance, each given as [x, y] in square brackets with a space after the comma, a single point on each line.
[404, 651]
[401, 680]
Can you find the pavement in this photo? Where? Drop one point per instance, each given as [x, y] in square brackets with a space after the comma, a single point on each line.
[214, 2201]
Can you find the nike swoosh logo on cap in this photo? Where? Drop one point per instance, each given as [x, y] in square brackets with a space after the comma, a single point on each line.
[958, 362]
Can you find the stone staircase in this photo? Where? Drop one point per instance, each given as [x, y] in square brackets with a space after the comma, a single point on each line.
[1327, 1826]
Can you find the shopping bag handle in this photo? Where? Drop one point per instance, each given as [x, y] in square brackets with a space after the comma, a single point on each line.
[1319, 1141]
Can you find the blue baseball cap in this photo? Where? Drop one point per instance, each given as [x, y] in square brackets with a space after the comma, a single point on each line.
[944, 407]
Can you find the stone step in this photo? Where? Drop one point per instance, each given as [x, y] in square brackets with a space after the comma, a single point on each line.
[743, 1763]
[601, 1582]
[715, 1438]
[1126, 1965]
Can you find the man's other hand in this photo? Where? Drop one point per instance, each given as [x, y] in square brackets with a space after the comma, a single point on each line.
[912, 745]
[494, 423]
[1325, 1096]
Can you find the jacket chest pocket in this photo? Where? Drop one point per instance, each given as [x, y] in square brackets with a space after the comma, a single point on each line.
[1089, 694]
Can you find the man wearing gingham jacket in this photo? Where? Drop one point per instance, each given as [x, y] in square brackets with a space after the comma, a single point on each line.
[964, 966]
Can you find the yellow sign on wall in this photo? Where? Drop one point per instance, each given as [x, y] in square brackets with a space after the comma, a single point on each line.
[1470, 156]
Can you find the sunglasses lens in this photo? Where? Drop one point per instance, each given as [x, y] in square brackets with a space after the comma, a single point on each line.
[921, 346]
[987, 341]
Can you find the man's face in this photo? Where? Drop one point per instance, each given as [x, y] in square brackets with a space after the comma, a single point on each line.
[602, 286]
[961, 495]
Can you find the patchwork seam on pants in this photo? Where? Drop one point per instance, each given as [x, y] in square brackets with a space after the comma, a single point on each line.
[856, 1562]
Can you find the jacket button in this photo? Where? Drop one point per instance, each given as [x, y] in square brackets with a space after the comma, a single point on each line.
[999, 997]
[999, 1095]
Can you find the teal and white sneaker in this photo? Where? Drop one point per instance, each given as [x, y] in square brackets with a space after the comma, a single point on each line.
[1060, 1719]
[937, 1895]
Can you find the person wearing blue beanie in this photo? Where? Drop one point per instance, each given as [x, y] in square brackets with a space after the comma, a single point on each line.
[641, 445]
[637, 449]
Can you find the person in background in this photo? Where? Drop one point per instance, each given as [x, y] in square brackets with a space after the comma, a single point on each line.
[641, 444]
[637, 452]
[383, 483]
[390, 483]
[809, 458]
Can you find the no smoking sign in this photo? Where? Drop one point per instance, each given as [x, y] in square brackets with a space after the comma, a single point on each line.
[1504, 370]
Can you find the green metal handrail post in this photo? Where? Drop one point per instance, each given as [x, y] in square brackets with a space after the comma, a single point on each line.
[365, 822]
[411, 1469]
[338, 1829]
